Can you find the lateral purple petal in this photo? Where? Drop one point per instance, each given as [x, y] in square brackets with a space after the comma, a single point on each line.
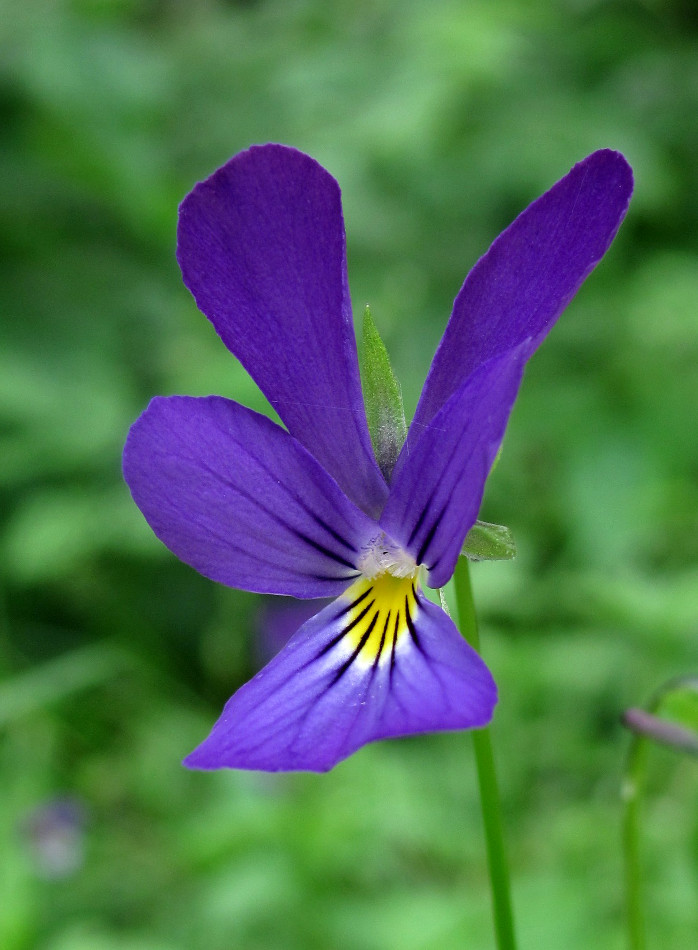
[530, 273]
[235, 496]
[261, 246]
[438, 482]
[322, 698]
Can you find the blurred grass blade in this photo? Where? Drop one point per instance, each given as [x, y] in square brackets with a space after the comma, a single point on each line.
[30, 692]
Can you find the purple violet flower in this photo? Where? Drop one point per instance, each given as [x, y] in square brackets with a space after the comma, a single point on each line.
[305, 511]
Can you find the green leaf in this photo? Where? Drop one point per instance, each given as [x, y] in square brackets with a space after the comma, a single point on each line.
[383, 398]
[489, 542]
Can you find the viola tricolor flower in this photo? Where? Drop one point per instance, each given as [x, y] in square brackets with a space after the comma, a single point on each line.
[306, 511]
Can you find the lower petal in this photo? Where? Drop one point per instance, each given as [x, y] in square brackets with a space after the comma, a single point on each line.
[380, 661]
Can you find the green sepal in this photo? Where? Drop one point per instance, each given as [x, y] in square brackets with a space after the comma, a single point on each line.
[489, 542]
[383, 399]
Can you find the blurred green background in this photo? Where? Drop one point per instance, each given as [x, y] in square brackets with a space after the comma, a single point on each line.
[441, 120]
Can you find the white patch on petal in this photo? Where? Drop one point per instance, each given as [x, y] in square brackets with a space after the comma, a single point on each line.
[383, 556]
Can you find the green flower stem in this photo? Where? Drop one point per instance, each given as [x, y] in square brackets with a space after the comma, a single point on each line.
[487, 780]
[632, 800]
[646, 728]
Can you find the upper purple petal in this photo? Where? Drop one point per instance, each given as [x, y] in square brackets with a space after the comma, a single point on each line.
[261, 246]
[235, 496]
[318, 700]
[437, 486]
[530, 273]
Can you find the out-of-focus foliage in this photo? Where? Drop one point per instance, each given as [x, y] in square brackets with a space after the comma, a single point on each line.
[441, 120]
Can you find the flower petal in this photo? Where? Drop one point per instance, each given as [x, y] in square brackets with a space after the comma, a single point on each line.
[235, 496]
[529, 275]
[438, 483]
[355, 673]
[261, 246]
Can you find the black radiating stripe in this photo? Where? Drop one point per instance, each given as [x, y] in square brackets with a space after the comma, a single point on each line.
[298, 500]
[335, 640]
[422, 553]
[354, 603]
[411, 627]
[380, 648]
[335, 534]
[323, 550]
[359, 647]
[419, 523]
[394, 644]
[332, 577]
[239, 490]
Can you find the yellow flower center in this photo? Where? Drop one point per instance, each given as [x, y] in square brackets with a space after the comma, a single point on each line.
[381, 611]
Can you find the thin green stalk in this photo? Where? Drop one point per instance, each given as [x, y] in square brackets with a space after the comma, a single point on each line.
[632, 799]
[487, 780]
[646, 727]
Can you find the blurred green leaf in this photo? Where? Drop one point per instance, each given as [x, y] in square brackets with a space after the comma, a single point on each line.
[29, 693]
